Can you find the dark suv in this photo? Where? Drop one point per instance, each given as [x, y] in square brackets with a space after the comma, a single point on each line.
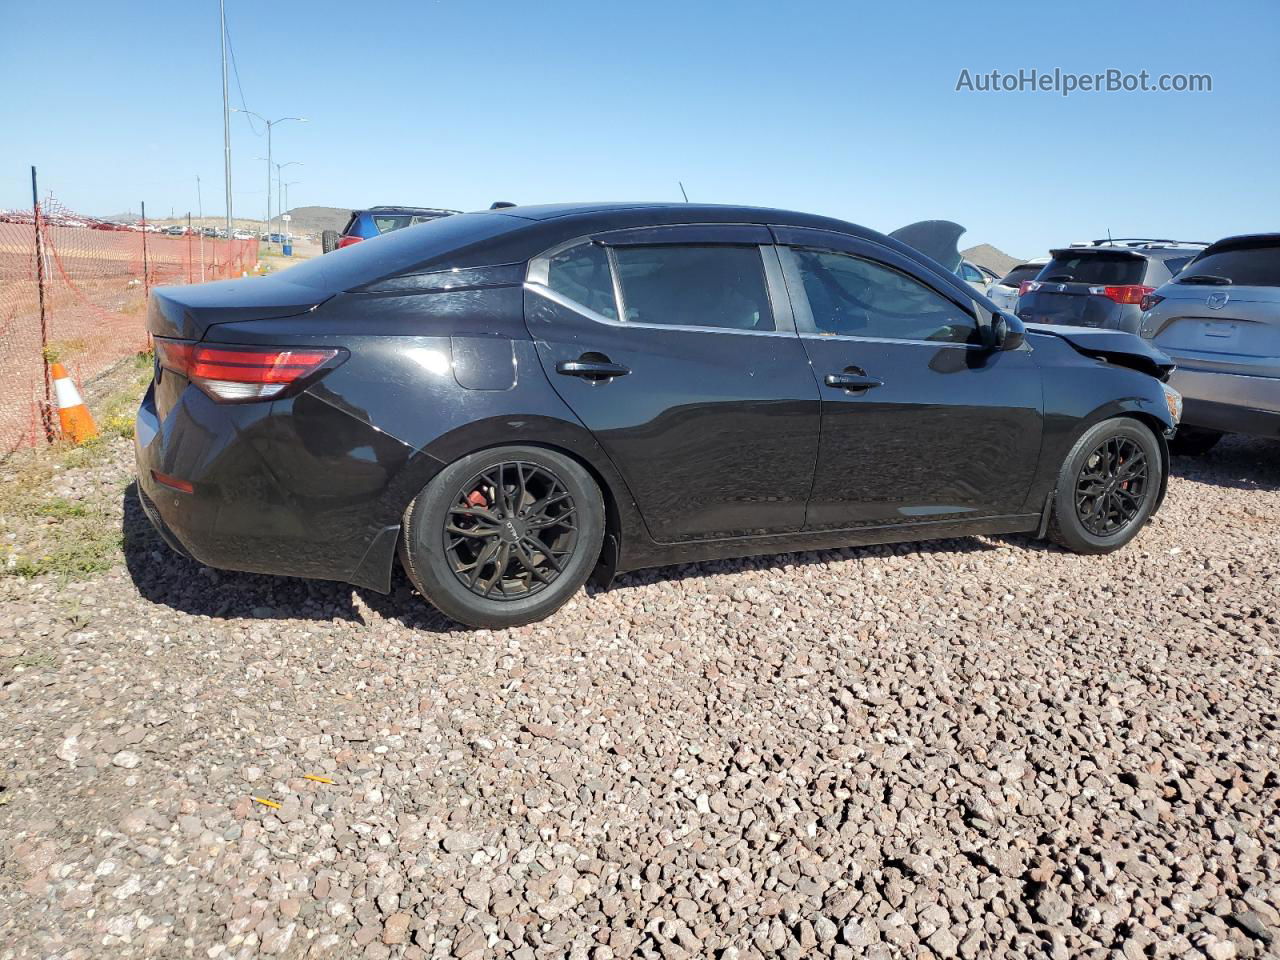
[1101, 284]
[365, 224]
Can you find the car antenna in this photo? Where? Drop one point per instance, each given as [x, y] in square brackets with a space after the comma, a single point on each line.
[682, 193]
[1108, 234]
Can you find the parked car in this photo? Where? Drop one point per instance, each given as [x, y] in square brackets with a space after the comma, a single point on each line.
[376, 221]
[976, 275]
[1101, 284]
[543, 392]
[1219, 320]
[176, 231]
[1004, 292]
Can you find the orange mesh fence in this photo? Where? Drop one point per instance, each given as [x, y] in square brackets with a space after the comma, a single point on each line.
[95, 293]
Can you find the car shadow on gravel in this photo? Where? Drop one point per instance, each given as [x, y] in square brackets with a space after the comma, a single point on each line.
[164, 576]
[1244, 463]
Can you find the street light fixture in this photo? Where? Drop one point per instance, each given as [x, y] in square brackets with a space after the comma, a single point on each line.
[270, 124]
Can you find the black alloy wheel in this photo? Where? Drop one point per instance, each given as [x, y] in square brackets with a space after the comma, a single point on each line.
[1111, 486]
[504, 536]
[1107, 487]
[511, 530]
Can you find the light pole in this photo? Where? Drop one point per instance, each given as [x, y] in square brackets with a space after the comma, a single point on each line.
[279, 195]
[226, 125]
[270, 124]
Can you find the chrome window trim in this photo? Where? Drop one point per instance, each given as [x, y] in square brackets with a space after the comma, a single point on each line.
[915, 343]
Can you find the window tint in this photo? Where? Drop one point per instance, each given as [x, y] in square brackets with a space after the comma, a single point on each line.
[1026, 271]
[1103, 268]
[1249, 267]
[1174, 264]
[853, 297]
[971, 272]
[582, 274]
[387, 224]
[694, 286]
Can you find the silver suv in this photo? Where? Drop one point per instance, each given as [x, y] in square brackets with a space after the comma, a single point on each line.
[1219, 320]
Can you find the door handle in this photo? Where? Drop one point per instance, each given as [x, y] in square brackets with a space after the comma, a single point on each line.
[852, 381]
[592, 369]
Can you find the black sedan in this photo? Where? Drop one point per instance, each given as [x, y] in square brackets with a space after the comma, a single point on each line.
[511, 401]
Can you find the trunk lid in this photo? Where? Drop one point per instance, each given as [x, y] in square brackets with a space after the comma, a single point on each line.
[187, 312]
[1239, 335]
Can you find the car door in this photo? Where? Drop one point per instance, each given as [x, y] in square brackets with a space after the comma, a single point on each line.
[921, 422]
[677, 350]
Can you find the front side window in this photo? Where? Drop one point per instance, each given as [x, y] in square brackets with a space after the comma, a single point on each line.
[853, 297]
[582, 275]
[694, 286]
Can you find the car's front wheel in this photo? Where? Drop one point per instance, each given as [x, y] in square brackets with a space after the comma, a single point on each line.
[1107, 487]
[505, 536]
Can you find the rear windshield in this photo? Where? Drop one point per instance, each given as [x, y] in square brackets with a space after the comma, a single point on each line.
[1101, 268]
[1015, 276]
[1251, 267]
[399, 250]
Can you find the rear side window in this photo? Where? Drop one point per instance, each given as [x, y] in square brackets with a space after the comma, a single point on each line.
[582, 274]
[386, 224]
[1249, 267]
[1015, 277]
[1174, 264]
[852, 297]
[1100, 268]
[694, 286]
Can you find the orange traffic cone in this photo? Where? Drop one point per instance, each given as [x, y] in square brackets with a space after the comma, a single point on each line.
[77, 421]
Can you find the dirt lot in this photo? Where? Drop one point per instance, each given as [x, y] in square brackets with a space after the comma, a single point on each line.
[976, 748]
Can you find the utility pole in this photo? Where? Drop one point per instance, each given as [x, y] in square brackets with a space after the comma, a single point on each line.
[226, 123]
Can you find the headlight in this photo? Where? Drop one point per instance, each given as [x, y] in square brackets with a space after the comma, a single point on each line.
[1173, 399]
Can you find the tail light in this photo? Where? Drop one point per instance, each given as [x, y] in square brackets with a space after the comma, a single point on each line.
[240, 374]
[348, 241]
[1128, 293]
[1028, 286]
[1150, 300]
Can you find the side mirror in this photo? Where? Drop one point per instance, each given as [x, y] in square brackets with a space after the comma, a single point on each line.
[1004, 335]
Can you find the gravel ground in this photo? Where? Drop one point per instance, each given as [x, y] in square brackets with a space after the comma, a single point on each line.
[974, 748]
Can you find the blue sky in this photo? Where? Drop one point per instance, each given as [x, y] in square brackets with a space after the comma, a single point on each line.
[842, 108]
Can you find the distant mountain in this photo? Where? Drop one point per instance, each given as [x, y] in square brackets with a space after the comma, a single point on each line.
[993, 258]
[313, 220]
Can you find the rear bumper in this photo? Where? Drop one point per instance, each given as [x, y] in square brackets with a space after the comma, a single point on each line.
[292, 488]
[1229, 403]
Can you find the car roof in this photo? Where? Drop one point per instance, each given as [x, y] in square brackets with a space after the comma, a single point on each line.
[387, 208]
[639, 212]
[1243, 241]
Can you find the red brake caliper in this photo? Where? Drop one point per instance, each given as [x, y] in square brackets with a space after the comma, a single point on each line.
[477, 499]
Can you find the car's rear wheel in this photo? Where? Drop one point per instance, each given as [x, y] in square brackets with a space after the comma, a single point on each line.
[1193, 442]
[329, 241]
[1107, 487]
[505, 536]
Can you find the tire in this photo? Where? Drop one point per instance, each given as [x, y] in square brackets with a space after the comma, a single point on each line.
[1193, 442]
[1083, 529]
[329, 241]
[477, 496]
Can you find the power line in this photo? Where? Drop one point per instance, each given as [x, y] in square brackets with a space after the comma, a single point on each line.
[244, 106]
